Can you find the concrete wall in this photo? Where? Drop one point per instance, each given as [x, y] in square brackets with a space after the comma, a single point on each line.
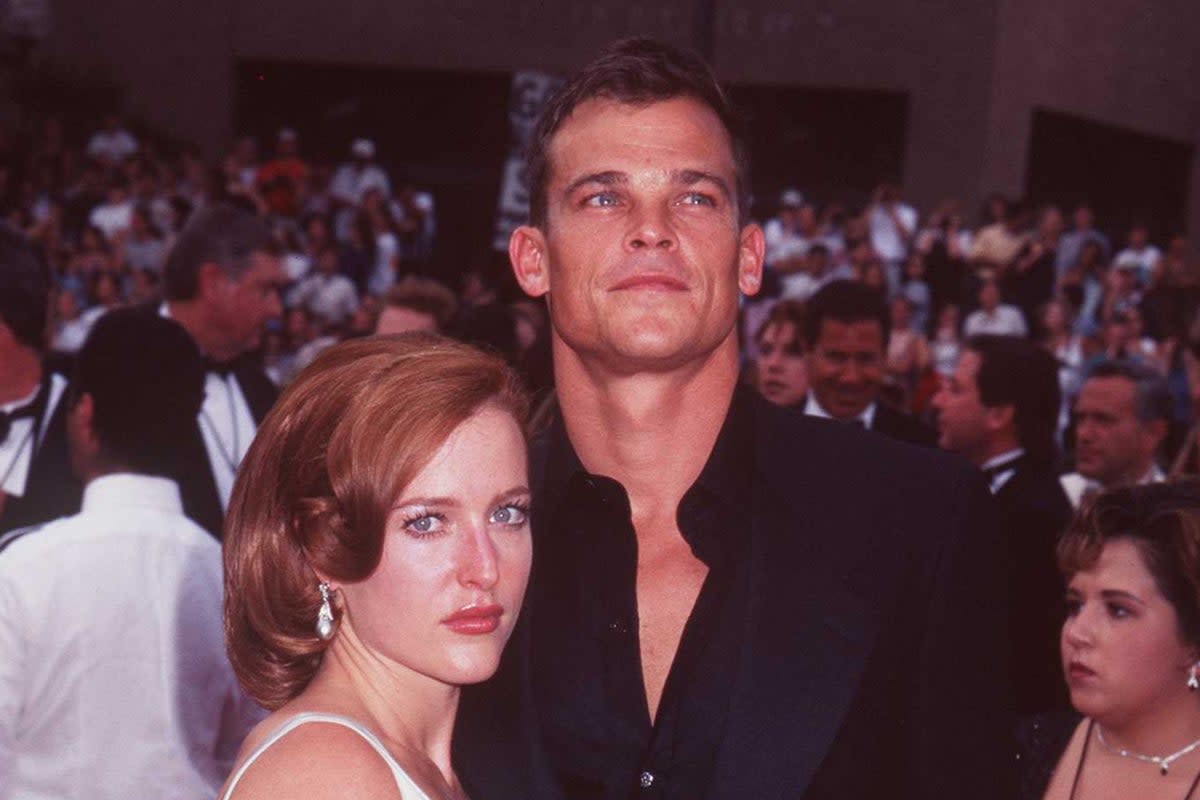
[973, 71]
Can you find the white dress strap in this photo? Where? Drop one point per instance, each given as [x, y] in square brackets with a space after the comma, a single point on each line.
[408, 788]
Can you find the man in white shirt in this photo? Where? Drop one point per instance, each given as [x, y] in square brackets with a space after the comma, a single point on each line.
[115, 215]
[1121, 418]
[36, 483]
[114, 681]
[993, 317]
[353, 180]
[112, 144]
[892, 224]
[1139, 254]
[326, 293]
[222, 280]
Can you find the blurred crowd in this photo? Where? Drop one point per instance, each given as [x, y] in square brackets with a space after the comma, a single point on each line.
[1060, 359]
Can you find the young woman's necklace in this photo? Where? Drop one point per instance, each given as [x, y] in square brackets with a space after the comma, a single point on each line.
[1083, 757]
[1162, 762]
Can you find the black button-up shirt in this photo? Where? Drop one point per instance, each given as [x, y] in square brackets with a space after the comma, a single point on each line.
[587, 673]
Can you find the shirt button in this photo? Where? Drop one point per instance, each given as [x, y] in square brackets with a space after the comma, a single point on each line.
[647, 779]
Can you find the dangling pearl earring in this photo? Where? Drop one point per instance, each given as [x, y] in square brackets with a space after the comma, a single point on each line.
[1193, 682]
[325, 616]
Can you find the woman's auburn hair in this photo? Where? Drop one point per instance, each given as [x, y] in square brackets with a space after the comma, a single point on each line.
[314, 491]
[1161, 520]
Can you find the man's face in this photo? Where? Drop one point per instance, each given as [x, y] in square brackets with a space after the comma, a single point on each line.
[845, 366]
[1111, 444]
[242, 306]
[782, 371]
[962, 419]
[989, 296]
[641, 256]
[1083, 218]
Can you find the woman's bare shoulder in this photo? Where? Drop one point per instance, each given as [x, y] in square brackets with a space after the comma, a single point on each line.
[316, 760]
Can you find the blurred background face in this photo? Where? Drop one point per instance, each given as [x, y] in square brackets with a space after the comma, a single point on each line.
[456, 559]
[1054, 318]
[1121, 649]
[989, 296]
[398, 319]
[782, 368]
[1111, 443]
[845, 366]
[962, 418]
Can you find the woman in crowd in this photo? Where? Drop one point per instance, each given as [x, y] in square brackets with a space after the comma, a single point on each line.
[376, 553]
[1130, 651]
[907, 351]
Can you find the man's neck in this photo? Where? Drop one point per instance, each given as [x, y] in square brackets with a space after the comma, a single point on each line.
[20, 374]
[651, 431]
[194, 319]
[994, 448]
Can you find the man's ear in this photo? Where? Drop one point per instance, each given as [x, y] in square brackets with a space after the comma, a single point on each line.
[751, 249]
[81, 419]
[527, 252]
[209, 278]
[999, 417]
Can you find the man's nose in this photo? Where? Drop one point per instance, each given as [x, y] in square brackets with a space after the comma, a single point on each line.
[651, 228]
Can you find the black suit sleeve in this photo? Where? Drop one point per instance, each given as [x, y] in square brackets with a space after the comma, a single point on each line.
[961, 742]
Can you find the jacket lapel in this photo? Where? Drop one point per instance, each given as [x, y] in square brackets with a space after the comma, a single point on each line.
[808, 636]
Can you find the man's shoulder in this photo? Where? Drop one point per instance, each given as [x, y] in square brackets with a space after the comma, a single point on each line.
[836, 452]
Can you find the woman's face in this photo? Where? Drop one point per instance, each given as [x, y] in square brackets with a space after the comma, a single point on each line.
[1121, 649]
[456, 559]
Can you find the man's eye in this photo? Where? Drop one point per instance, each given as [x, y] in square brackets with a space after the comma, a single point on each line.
[601, 199]
[698, 199]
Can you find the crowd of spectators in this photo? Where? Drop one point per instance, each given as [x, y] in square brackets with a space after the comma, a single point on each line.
[1060, 359]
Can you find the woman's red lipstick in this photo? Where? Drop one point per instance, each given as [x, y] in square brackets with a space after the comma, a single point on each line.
[475, 620]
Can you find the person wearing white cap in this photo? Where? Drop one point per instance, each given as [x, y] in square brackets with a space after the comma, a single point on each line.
[353, 180]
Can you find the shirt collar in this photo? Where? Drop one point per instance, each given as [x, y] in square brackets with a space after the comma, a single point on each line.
[126, 489]
[813, 408]
[727, 474]
[1002, 459]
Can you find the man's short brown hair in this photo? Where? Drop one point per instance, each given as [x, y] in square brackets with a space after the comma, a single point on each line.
[635, 71]
[425, 296]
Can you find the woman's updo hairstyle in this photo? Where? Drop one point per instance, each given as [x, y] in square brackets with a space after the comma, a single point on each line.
[1162, 520]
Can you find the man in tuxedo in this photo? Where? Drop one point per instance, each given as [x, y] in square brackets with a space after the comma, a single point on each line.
[36, 482]
[730, 600]
[222, 280]
[999, 410]
[847, 324]
[1121, 418]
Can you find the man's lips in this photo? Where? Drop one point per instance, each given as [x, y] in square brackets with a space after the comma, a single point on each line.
[475, 620]
[652, 281]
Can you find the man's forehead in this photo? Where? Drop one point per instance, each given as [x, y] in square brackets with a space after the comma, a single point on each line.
[1112, 394]
[859, 333]
[605, 128]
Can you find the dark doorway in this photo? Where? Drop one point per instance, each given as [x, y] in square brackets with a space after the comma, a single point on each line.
[835, 145]
[1125, 175]
[448, 133]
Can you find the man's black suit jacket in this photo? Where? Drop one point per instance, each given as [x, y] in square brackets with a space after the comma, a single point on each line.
[1033, 512]
[903, 427]
[197, 486]
[51, 490]
[875, 657]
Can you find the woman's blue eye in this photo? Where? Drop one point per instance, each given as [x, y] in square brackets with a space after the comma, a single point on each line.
[511, 514]
[423, 524]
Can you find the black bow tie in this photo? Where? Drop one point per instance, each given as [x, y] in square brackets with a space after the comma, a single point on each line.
[8, 417]
[221, 368]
